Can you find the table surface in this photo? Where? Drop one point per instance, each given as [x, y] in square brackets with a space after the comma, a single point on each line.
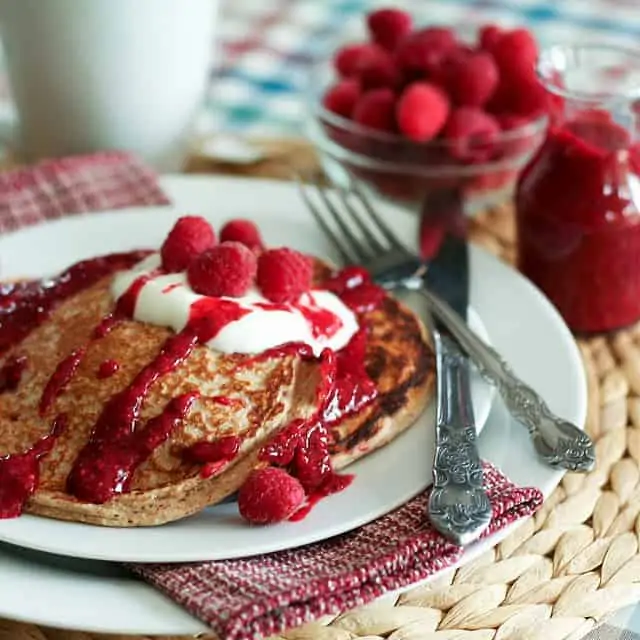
[266, 50]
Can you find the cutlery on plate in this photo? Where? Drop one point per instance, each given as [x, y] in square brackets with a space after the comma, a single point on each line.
[557, 442]
[458, 505]
[457, 502]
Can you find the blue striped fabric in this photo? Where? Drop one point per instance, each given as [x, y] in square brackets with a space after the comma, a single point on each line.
[268, 47]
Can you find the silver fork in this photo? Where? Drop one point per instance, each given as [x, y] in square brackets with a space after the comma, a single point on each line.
[558, 442]
[458, 505]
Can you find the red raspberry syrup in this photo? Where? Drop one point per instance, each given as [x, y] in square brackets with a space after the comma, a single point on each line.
[577, 209]
[60, 378]
[302, 447]
[354, 287]
[11, 373]
[119, 444]
[23, 307]
[108, 368]
[26, 305]
[19, 472]
[105, 466]
[213, 455]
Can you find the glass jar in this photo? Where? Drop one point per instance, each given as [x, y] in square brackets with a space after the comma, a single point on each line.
[577, 201]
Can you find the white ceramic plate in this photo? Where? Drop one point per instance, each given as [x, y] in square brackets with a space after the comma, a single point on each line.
[521, 323]
[218, 532]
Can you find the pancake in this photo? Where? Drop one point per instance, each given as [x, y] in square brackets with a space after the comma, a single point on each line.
[238, 396]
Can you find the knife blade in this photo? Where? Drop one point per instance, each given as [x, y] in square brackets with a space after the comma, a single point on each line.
[458, 505]
[448, 276]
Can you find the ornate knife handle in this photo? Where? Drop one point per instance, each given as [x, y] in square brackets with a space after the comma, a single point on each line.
[458, 505]
[558, 442]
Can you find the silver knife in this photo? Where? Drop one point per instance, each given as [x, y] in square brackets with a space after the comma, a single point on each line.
[458, 505]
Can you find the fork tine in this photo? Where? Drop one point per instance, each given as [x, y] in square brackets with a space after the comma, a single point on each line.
[382, 226]
[357, 218]
[354, 243]
[345, 256]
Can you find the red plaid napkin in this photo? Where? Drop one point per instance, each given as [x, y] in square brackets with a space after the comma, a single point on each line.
[54, 188]
[247, 598]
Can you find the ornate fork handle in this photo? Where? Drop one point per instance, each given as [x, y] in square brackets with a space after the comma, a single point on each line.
[558, 442]
[458, 505]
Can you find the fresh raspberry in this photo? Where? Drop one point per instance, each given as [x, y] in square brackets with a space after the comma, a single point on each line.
[510, 121]
[438, 74]
[341, 98]
[516, 53]
[225, 270]
[349, 59]
[488, 35]
[442, 37]
[243, 231]
[471, 134]
[422, 111]
[190, 236]
[269, 495]
[284, 274]
[470, 80]
[422, 52]
[388, 26]
[378, 69]
[527, 97]
[376, 110]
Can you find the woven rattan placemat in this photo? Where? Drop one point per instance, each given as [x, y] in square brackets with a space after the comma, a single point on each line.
[563, 570]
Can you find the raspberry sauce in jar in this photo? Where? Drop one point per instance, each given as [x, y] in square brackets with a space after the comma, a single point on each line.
[577, 201]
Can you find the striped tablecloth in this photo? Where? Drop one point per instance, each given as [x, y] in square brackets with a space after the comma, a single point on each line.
[269, 45]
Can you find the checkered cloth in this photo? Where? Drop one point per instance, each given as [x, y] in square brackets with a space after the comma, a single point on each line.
[609, 631]
[54, 188]
[254, 597]
[265, 594]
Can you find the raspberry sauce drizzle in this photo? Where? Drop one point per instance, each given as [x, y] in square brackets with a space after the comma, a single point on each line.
[214, 455]
[352, 390]
[354, 287]
[126, 305]
[118, 445]
[103, 466]
[20, 472]
[26, 305]
[107, 324]
[107, 462]
[108, 368]
[60, 378]
[334, 484]
[303, 445]
[23, 307]
[11, 373]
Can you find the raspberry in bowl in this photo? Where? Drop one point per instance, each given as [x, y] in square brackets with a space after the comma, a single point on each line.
[410, 110]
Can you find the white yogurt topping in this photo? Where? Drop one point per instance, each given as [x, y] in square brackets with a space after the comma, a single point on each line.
[165, 300]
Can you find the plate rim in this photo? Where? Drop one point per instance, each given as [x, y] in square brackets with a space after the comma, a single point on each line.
[185, 540]
[191, 625]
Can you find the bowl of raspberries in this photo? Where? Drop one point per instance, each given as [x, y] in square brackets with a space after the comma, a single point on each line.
[410, 110]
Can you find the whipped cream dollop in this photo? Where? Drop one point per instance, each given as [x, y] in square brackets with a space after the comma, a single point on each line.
[319, 318]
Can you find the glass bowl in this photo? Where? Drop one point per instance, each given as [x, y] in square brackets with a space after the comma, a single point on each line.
[405, 172]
